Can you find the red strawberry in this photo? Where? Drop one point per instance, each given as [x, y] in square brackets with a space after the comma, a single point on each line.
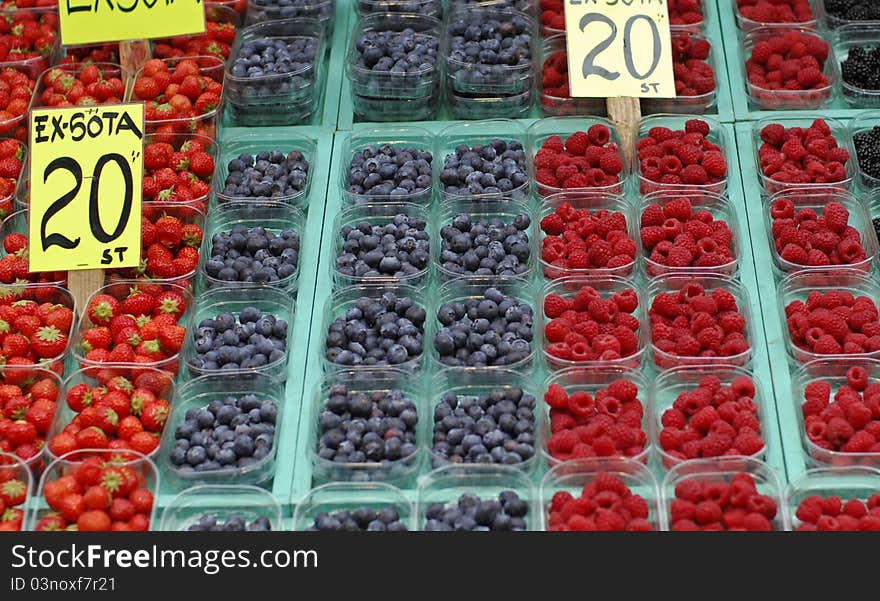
[102, 308]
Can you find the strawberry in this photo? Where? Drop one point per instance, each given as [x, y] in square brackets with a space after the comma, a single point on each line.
[51, 522]
[102, 308]
[206, 103]
[97, 338]
[171, 303]
[144, 442]
[139, 303]
[13, 492]
[48, 342]
[169, 231]
[171, 339]
[201, 164]
[155, 415]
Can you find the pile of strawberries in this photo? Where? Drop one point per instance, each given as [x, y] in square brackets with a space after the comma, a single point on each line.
[14, 266]
[180, 173]
[88, 85]
[16, 89]
[13, 495]
[687, 157]
[692, 322]
[169, 246]
[775, 11]
[27, 408]
[798, 155]
[605, 504]
[32, 332]
[141, 328]
[28, 35]
[716, 505]
[216, 41]
[673, 235]
[121, 409]
[804, 238]
[98, 495]
[792, 61]
[578, 239]
[712, 420]
[693, 75]
[851, 422]
[605, 424]
[585, 160]
[90, 53]
[834, 322]
[181, 92]
[590, 328]
[12, 153]
[833, 514]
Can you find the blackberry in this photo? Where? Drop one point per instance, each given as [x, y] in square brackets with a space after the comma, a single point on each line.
[876, 222]
[853, 10]
[867, 145]
[861, 69]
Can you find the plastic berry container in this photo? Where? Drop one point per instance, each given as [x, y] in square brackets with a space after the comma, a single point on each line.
[844, 39]
[261, 11]
[844, 482]
[447, 484]
[17, 127]
[671, 383]
[144, 468]
[205, 124]
[17, 223]
[274, 217]
[376, 138]
[220, 12]
[461, 291]
[338, 496]
[107, 70]
[804, 120]
[747, 25]
[380, 96]
[177, 141]
[799, 285]
[477, 106]
[699, 104]
[399, 471]
[253, 144]
[46, 293]
[864, 122]
[12, 468]
[82, 53]
[543, 129]
[606, 286]
[483, 133]
[554, 105]
[831, 370]
[721, 210]
[475, 383]
[220, 501]
[46, 57]
[782, 99]
[120, 290]
[96, 377]
[488, 210]
[25, 377]
[210, 303]
[675, 283]
[717, 136]
[379, 215]
[198, 393]
[723, 469]
[833, 21]
[572, 476]
[346, 298]
[592, 202]
[815, 200]
[591, 378]
[277, 99]
[431, 8]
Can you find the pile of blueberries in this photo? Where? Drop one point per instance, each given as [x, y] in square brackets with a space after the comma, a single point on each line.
[252, 341]
[231, 433]
[253, 254]
[412, 7]
[470, 513]
[366, 427]
[269, 57]
[397, 249]
[361, 519]
[391, 171]
[271, 174]
[498, 168]
[485, 45]
[398, 53]
[494, 428]
[234, 523]
[485, 246]
[493, 330]
[377, 331]
[260, 11]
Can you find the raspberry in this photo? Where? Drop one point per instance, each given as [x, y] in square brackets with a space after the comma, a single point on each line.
[553, 143]
[611, 163]
[577, 143]
[694, 174]
[555, 306]
[679, 208]
[836, 216]
[697, 126]
[714, 164]
[773, 134]
[556, 397]
[599, 134]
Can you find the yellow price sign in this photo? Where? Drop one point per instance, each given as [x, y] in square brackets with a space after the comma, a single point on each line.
[619, 48]
[86, 169]
[96, 21]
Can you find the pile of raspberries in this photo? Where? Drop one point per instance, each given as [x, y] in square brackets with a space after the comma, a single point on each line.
[804, 238]
[793, 61]
[775, 11]
[585, 160]
[832, 514]
[606, 504]
[680, 157]
[721, 506]
[798, 155]
[834, 322]
[693, 75]
[851, 422]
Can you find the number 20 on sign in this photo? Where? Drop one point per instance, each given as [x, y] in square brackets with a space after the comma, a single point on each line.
[619, 48]
[86, 168]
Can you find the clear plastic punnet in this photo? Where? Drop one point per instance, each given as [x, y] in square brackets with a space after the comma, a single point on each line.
[328, 499]
[843, 40]
[194, 508]
[846, 483]
[746, 24]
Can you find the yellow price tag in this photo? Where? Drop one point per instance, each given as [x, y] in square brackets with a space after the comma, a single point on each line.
[86, 169]
[619, 48]
[95, 21]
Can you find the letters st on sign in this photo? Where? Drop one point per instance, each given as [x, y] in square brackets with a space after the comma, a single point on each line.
[619, 48]
[86, 169]
[98, 21]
